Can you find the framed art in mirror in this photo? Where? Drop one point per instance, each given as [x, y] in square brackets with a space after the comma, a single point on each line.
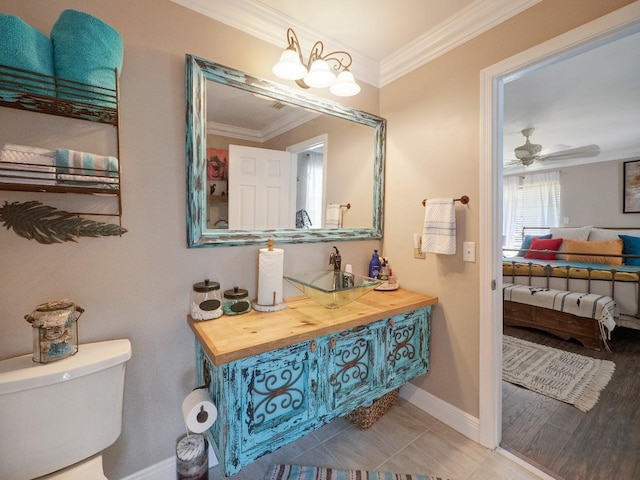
[353, 153]
[631, 196]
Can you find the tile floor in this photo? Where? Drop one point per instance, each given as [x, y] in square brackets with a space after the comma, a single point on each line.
[405, 440]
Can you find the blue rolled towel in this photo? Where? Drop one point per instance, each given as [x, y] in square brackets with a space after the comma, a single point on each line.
[87, 50]
[22, 46]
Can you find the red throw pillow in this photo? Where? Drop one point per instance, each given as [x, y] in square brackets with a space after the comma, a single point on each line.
[551, 244]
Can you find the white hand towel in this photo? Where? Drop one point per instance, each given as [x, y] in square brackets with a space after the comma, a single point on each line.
[334, 216]
[439, 232]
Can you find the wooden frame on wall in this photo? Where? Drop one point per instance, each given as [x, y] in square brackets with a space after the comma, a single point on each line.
[631, 187]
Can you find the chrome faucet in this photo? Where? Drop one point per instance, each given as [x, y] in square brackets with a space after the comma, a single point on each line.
[335, 259]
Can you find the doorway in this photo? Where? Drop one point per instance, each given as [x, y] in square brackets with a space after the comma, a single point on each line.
[311, 181]
[605, 29]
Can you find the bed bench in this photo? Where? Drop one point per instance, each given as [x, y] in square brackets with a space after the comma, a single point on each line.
[588, 318]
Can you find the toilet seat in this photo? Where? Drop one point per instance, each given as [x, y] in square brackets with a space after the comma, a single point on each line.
[89, 469]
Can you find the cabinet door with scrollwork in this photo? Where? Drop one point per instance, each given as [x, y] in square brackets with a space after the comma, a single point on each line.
[278, 395]
[407, 353]
[352, 369]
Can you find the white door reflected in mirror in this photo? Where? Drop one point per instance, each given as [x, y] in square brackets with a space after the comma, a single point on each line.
[261, 181]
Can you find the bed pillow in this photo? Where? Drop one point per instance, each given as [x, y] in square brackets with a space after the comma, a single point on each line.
[526, 243]
[551, 244]
[631, 247]
[604, 234]
[583, 249]
[569, 233]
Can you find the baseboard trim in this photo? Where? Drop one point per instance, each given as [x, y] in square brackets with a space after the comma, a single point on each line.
[461, 421]
[164, 470]
[466, 424]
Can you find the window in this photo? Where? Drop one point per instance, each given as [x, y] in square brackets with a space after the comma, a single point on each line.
[529, 201]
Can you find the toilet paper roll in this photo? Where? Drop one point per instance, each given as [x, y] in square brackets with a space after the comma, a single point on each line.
[198, 411]
[270, 264]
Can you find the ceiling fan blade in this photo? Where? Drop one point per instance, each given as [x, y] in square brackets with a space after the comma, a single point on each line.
[578, 152]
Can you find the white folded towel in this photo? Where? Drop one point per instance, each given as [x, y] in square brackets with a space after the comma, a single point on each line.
[439, 232]
[25, 164]
[334, 216]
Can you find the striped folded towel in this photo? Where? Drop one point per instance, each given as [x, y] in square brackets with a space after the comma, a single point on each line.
[439, 231]
[86, 169]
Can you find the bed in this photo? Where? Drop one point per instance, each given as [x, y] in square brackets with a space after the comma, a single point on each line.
[571, 262]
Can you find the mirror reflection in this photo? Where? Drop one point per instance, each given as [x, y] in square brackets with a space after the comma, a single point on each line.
[267, 161]
[272, 164]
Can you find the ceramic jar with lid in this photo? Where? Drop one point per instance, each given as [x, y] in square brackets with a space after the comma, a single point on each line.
[236, 301]
[205, 301]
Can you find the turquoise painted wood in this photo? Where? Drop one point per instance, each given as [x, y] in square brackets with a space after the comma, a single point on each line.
[269, 400]
[197, 72]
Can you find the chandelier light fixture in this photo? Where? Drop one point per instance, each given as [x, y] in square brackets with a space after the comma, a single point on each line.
[319, 71]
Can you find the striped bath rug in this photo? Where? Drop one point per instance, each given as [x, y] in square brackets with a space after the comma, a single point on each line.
[297, 472]
[568, 377]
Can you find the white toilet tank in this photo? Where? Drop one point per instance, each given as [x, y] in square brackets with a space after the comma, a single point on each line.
[54, 415]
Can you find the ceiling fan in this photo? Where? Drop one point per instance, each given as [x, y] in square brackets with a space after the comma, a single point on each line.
[530, 152]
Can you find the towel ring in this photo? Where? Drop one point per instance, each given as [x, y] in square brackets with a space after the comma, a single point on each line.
[463, 200]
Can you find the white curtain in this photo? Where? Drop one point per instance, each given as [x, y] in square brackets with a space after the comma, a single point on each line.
[529, 201]
[510, 186]
[313, 203]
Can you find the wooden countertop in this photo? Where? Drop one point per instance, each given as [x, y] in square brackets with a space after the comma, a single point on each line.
[230, 338]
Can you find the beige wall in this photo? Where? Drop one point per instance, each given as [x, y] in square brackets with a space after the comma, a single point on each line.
[433, 148]
[582, 207]
[138, 286]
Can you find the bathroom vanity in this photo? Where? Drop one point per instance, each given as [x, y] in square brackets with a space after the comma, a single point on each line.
[277, 376]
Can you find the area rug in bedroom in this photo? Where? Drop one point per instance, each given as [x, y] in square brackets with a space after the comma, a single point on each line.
[568, 377]
[298, 472]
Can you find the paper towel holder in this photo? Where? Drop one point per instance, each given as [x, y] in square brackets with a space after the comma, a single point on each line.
[273, 307]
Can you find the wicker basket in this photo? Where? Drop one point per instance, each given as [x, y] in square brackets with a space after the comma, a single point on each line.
[364, 417]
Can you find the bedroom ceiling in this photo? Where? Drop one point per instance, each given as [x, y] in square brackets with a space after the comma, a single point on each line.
[592, 98]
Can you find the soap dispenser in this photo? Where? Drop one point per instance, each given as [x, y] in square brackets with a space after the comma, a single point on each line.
[374, 265]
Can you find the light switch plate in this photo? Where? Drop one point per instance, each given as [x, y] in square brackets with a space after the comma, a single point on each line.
[469, 251]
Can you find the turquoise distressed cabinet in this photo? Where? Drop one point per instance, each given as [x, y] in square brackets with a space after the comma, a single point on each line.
[407, 354]
[273, 391]
[353, 366]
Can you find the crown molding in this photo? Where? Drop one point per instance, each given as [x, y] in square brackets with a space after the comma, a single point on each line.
[274, 129]
[471, 21]
[261, 21]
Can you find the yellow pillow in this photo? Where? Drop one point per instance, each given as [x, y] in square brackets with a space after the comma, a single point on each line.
[579, 247]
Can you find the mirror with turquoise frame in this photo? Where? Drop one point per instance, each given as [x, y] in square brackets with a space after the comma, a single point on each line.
[200, 233]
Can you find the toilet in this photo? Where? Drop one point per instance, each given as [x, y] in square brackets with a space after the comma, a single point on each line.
[57, 418]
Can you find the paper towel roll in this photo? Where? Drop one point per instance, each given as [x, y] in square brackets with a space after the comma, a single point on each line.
[198, 411]
[270, 265]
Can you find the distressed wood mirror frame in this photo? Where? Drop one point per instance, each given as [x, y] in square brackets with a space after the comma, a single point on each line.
[198, 72]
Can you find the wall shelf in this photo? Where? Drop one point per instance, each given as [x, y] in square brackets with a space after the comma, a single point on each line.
[50, 95]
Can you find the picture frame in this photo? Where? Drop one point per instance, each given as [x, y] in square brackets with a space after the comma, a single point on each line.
[217, 164]
[631, 187]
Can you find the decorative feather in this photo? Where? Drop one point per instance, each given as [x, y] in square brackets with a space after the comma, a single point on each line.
[44, 224]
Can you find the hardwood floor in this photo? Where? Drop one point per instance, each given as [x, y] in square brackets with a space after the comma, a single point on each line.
[603, 443]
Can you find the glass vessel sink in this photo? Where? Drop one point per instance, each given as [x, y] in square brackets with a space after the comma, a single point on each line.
[332, 289]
